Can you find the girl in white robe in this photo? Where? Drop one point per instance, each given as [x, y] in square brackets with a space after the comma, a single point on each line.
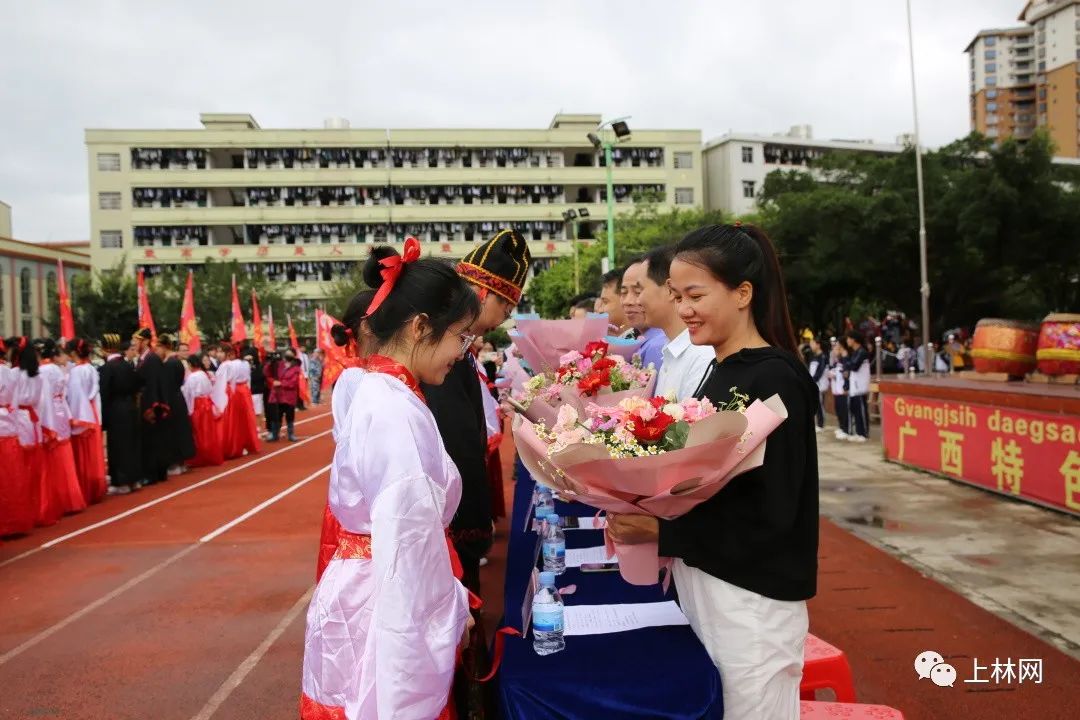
[205, 420]
[60, 479]
[84, 401]
[19, 486]
[388, 615]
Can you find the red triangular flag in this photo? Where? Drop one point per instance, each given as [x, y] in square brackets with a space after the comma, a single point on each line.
[67, 320]
[146, 320]
[256, 321]
[189, 329]
[239, 330]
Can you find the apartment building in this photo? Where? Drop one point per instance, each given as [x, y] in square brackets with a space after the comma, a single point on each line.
[304, 205]
[1028, 77]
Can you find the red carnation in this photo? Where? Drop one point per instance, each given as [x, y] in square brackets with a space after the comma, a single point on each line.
[653, 430]
[604, 363]
[591, 383]
[596, 347]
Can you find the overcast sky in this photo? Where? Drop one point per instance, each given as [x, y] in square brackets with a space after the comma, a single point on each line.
[714, 65]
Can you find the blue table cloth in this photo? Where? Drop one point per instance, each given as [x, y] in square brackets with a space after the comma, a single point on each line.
[649, 673]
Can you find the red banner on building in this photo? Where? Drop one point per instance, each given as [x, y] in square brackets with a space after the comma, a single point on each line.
[1029, 455]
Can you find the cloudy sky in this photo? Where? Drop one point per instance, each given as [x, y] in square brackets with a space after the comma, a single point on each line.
[717, 65]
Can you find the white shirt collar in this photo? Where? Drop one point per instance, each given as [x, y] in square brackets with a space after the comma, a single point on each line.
[679, 344]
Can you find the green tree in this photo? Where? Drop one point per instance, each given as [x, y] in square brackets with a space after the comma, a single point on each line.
[102, 302]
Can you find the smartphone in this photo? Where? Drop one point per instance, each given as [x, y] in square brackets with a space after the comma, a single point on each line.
[600, 567]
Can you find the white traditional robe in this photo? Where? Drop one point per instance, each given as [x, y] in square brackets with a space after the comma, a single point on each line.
[9, 379]
[84, 397]
[26, 394]
[222, 380]
[382, 633]
[52, 405]
[197, 384]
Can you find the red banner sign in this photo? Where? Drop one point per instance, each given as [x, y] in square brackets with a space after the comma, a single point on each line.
[1029, 455]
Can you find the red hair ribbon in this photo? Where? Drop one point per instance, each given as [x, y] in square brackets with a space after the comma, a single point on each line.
[391, 271]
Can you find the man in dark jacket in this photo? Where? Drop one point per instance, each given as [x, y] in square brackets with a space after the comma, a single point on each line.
[496, 270]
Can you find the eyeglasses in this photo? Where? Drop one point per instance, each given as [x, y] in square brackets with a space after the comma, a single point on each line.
[466, 341]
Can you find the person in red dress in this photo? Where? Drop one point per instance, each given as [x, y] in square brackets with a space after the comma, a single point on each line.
[206, 421]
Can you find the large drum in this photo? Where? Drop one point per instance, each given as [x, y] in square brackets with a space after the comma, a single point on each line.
[1004, 346]
[1059, 345]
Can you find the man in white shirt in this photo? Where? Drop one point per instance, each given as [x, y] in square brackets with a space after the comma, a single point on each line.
[685, 364]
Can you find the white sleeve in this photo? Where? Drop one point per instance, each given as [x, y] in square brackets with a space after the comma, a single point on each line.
[220, 393]
[188, 391]
[420, 610]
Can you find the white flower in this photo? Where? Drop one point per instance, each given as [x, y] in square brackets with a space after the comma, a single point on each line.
[675, 410]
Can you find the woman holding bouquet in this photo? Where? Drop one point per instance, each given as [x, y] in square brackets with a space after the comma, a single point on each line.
[388, 615]
[746, 560]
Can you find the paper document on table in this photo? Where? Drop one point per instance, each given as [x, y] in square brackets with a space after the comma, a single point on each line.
[591, 522]
[576, 557]
[603, 619]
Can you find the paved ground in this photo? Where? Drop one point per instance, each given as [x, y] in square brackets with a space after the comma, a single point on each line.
[1016, 560]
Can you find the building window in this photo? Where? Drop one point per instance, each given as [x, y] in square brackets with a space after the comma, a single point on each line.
[748, 188]
[991, 80]
[1042, 93]
[991, 107]
[112, 239]
[108, 162]
[991, 132]
[684, 160]
[990, 54]
[50, 292]
[991, 67]
[684, 196]
[24, 293]
[991, 119]
[990, 41]
[991, 94]
[747, 153]
[109, 200]
[1042, 65]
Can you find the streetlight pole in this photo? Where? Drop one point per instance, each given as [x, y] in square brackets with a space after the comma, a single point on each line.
[610, 205]
[924, 288]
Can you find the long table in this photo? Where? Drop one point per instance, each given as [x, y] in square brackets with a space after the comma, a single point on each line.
[649, 673]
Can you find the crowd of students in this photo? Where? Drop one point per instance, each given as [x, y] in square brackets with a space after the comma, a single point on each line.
[80, 421]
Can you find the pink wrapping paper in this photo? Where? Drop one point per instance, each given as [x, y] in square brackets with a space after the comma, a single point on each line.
[719, 448]
[543, 342]
[624, 349]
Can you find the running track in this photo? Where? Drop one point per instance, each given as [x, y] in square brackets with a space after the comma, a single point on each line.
[169, 603]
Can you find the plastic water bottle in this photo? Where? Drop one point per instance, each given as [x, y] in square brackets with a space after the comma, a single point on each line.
[547, 617]
[554, 546]
[545, 502]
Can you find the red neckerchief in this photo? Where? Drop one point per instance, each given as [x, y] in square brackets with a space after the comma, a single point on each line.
[383, 364]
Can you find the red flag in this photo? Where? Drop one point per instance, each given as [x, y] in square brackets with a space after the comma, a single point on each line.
[67, 320]
[256, 321]
[270, 325]
[239, 330]
[189, 329]
[305, 391]
[335, 356]
[146, 320]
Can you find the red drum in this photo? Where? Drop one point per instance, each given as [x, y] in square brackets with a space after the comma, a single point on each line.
[1059, 345]
[1004, 346]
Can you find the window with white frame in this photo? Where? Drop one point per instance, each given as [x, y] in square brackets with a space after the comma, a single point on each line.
[748, 153]
[684, 160]
[108, 162]
[748, 188]
[684, 196]
[112, 239]
[109, 200]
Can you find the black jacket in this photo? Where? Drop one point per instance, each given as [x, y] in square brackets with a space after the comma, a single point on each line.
[761, 531]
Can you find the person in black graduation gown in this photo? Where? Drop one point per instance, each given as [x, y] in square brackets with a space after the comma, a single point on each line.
[120, 416]
[178, 424]
[496, 270]
[154, 409]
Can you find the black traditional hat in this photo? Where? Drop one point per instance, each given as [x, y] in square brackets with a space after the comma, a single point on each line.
[143, 334]
[110, 341]
[500, 265]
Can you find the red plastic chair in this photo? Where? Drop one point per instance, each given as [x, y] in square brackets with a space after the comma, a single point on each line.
[811, 710]
[825, 666]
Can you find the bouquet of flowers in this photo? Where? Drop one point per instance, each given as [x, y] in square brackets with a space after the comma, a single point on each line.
[652, 457]
[591, 374]
[543, 342]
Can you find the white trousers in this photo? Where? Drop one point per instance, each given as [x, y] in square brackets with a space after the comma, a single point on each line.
[756, 643]
[257, 403]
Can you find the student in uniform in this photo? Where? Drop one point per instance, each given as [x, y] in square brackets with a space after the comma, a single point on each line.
[818, 367]
[858, 369]
[746, 560]
[838, 385]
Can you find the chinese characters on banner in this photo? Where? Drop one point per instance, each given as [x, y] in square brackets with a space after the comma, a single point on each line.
[1025, 454]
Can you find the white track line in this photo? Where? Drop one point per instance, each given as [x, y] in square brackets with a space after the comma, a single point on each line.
[243, 669]
[262, 506]
[163, 498]
[78, 614]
